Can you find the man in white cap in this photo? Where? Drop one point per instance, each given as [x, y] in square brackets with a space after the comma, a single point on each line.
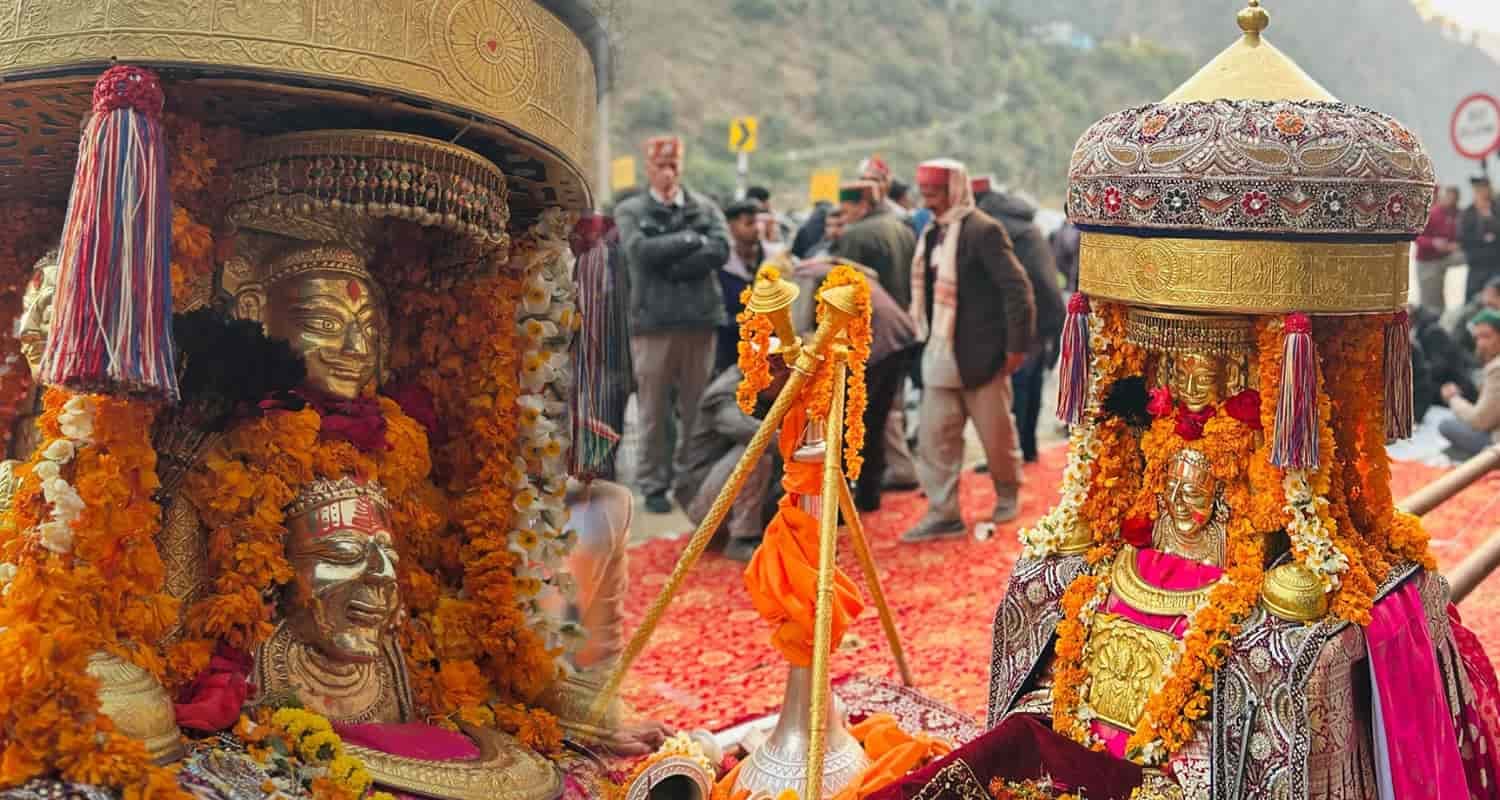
[973, 305]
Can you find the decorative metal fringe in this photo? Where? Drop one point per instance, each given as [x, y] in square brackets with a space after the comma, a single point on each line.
[601, 360]
[113, 309]
[1400, 414]
[1296, 439]
[1073, 373]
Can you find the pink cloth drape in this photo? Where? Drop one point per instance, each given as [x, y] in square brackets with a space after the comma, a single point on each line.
[1164, 571]
[1419, 735]
[1481, 718]
[411, 740]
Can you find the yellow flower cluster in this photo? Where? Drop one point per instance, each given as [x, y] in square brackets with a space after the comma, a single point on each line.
[310, 739]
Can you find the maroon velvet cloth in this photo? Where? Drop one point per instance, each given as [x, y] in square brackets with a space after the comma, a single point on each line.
[1025, 747]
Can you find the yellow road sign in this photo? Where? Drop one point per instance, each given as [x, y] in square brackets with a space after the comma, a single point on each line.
[622, 173]
[824, 186]
[742, 134]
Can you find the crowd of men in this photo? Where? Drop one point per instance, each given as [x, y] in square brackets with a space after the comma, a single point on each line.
[1457, 350]
[967, 299]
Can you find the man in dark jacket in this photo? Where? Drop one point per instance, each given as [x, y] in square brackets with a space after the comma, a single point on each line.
[675, 242]
[745, 256]
[973, 303]
[1479, 235]
[1017, 214]
[876, 238]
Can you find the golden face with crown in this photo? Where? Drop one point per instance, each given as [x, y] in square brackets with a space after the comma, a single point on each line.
[322, 299]
[343, 553]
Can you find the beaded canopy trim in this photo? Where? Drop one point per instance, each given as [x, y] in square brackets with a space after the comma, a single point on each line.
[1261, 167]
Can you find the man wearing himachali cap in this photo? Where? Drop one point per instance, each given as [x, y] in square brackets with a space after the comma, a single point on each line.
[675, 241]
[973, 306]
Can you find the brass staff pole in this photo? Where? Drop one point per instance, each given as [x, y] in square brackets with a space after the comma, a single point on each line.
[872, 577]
[806, 364]
[828, 531]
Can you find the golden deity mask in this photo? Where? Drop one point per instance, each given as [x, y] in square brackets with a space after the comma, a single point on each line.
[35, 321]
[1191, 524]
[322, 299]
[1194, 379]
[1189, 492]
[344, 601]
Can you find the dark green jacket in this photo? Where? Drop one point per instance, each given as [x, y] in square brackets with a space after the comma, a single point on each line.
[674, 254]
[884, 243]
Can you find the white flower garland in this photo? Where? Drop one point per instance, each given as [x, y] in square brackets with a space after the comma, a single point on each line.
[546, 318]
[77, 422]
[1308, 534]
[1048, 534]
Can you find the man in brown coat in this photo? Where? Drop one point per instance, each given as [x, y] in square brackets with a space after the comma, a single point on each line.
[973, 303]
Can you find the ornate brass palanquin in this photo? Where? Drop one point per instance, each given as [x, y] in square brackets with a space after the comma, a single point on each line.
[509, 79]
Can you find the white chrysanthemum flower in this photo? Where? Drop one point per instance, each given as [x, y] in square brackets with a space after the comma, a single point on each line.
[56, 536]
[77, 419]
[47, 470]
[60, 451]
[65, 501]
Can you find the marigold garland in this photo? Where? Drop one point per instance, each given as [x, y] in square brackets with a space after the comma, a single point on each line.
[472, 641]
[1342, 523]
[858, 333]
[104, 594]
[754, 352]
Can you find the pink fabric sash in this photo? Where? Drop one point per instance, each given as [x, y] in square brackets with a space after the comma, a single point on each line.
[411, 740]
[1479, 741]
[1164, 571]
[1419, 737]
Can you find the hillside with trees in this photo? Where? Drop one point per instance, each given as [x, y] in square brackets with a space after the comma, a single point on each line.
[1005, 85]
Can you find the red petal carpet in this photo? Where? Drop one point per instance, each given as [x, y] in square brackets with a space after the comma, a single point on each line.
[710, 664]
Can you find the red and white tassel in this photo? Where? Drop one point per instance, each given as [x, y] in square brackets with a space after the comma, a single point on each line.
[1076, 363]
[112, 316]
[1296, 440]
[1400, 415]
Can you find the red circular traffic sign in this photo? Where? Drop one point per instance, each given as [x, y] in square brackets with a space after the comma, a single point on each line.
[1475, 127]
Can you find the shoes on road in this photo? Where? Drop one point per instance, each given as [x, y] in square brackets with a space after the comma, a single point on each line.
[657, 503]
[931, 529]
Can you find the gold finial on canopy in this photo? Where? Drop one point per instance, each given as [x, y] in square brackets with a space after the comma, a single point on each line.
[1253, 19]
[1251, 69]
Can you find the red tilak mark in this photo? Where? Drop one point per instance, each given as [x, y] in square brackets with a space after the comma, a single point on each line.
[355, 290]
[492, 45]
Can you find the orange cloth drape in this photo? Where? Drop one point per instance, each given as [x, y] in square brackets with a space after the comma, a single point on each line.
[893, 754]
[783, 575]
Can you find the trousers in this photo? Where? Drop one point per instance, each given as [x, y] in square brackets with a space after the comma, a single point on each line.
[940, 444]
[1026, 383]
[1430, 278]
[668, 362]
[1464, 437]
[746, 516]
[885, 380]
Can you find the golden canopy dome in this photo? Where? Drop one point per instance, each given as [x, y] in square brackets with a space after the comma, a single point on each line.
[513, 80]
[1249, 189]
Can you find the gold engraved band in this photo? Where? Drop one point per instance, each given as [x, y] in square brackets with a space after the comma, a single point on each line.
[1245, 276]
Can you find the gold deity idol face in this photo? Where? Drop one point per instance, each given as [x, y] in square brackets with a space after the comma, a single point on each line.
[1189, 493]
[1194, 380]
[334, 320]
[36, 311]
[345, 600]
